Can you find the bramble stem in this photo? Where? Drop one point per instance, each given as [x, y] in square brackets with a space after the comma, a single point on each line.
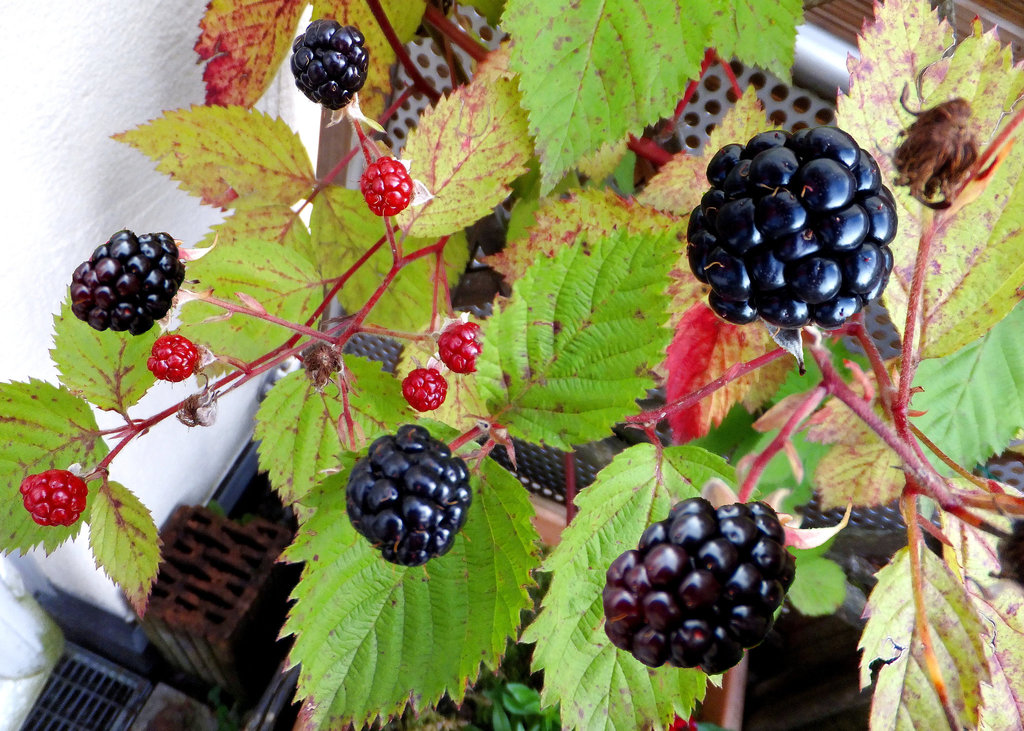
[691, 88]
[569, 467]
[802, 412]
[734, 372]
[908, 503]
[867, 343]
[729, 74]
[466, 437]
[264, 315]
[948, 461]
[649, 150]
[403, 57]
[341, 281]
[455, 34]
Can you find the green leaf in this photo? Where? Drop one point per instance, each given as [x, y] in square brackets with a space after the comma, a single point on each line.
[224, 153]
[977, 259]
[600, 686]
[490, 9]
[568, 355]
[974, 399]
[107, 368]
[301, 431]
[820, 584]
[403, 15]
[41, 427]
[467, 150]
[373, 636]
[124, 541]
[281, 281]
[904, 696]
[344, 229]
[244, 42]
[593, 71]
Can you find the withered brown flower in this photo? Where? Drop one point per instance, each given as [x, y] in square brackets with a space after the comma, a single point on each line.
[321, 360]
[937, 153]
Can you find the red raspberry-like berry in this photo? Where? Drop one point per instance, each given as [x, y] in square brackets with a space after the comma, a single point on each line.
[386, 186]
[459, 346]
[681, 724]
[425, 389]
[174, 358]
[54, 497]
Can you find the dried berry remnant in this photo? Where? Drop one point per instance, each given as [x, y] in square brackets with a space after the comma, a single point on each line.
[54, 497]
[173, 358]
[701, 586]
[795, 230]
[128, 282]
[321, 360]
[409, 496]
[425, 389]
[329, 62]
[937, 153]
[387, 187]
[459, 345]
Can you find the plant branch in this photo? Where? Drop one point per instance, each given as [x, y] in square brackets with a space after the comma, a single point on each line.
[266, 316]
[948, 461]
[908, 503]
[569, 467]
[403, 57]
[867, 343]
[455, 34]
[649, 150]
[801, 413]
[734, 372]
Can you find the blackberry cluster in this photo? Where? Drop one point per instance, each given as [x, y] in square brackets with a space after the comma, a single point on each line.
[794, 230]
[701, 586]
[409, 496]
[128, 283]
[329, 62]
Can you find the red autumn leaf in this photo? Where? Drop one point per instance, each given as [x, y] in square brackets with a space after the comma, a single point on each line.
[703, 348]
[244, 42]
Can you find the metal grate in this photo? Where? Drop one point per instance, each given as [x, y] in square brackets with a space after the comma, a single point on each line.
[86, 692]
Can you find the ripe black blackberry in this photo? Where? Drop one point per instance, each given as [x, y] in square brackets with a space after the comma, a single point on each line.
[409, 496]
[795, 229]
[128, 283]
[329, 62]
[701, 586]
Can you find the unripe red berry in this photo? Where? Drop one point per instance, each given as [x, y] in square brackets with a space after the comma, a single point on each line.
[174, 358]
[386, 186]
[459, 345]
[54, 497]
[425, 389]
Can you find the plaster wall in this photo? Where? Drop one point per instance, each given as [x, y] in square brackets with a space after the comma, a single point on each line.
[75, 73]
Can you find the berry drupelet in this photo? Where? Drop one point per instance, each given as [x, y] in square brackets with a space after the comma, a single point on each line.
[701, 586]
[409, 496]
[128, 283]
[795, 229]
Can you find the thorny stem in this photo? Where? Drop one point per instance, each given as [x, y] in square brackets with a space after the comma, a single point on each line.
[455, 34]
[403, 57]
[867, 343]
[734, 372]
[466, 437]
[264, 315]
[364, 142]
[649, 150]
[729, 74]
[802, 412]
[948, 461]
[342, 279]
[691, 88]
[908, 503]
[396, 334]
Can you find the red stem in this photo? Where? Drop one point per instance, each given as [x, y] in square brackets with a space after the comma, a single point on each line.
[737, 89]
[649, 150]
[804, 410]
[403, 57]
[455, 34]
[241, 309]
[734, 372]
[691, 88]
[466, 437]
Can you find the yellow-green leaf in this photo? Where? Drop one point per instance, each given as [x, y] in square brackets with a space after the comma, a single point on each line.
[977, 259]
[467, 150]
[107, 368]
[224, 153]
[124, 541]
[282, 282]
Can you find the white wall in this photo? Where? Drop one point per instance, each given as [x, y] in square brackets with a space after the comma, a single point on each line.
[75, 73]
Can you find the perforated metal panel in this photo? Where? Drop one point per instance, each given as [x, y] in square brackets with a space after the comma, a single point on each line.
[87, 693]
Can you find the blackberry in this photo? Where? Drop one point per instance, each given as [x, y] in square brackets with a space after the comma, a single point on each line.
[701, 586]
[795, 229]
[409, 496]
[329, 62]
[128, 283]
